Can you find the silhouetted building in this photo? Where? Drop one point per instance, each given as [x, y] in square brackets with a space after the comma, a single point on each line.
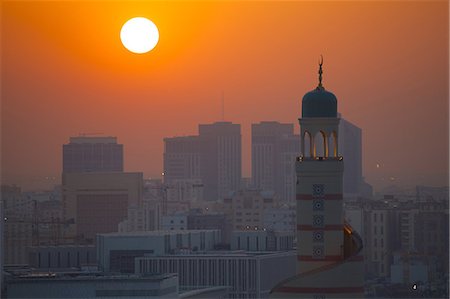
[274, 149]
[92, 154]
[207, 166]
[97, 202]
[350, 147]
[221, 159]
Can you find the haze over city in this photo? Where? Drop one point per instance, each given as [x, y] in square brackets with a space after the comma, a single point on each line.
[65, 72]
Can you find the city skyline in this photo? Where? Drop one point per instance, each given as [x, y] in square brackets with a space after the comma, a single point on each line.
[89, 83]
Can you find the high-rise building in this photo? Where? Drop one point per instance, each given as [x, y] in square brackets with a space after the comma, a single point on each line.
[350, 147]
[274, 149]
[92, 154]
[96, 202]
[329, 260]
[207, 166]
[221, 159]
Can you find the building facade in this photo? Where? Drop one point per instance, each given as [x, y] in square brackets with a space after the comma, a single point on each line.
[246, 208]
[211, 160]
[246, 274]
[92, 154]
[97, 202]
[116, 251]
[274, 149]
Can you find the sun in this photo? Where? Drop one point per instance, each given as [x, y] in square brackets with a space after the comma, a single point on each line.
[139, 35]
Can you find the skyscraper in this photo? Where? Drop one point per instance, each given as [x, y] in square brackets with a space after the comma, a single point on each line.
[211, 160]
[329, 256]
[221, 164]
[350, 146]
[92, 154]
[274, 148]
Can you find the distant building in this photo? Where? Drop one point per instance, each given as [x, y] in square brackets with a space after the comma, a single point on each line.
[282, 219]
[274, 149]
[95, 285]
[142, 217]
[221, 158]
[174, 222]
[207, 166]
[92, 154]
[198, 221]
[97, 202]
[18, 230]
[54, 258]
[262, 240]
[247, 274]
[116, 251]
[350, 147]
[246, 208]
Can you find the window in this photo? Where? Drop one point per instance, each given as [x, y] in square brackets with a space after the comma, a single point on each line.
[381, 217]
[382, 243]
[374, 217]
[381, 230]
[374, 242]
[374, 230]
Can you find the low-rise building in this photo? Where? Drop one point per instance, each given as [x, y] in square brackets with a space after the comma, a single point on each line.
[247, 274]
[116, 251]
[262, 240]
[85, 285]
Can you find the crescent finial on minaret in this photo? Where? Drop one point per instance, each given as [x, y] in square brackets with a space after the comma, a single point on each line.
[320, 72]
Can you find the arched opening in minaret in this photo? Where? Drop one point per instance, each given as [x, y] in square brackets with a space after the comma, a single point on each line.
[332, 145]
[320, 144]
[307, 146]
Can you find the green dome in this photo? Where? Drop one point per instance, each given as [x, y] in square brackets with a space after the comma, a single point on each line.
[319, 103]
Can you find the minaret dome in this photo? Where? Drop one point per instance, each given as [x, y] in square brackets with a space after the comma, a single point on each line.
[319, 102]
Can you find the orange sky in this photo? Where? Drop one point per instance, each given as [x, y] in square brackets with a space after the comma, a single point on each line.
[64, 71]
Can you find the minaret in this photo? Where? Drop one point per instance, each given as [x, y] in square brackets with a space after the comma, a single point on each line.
[329, 251]
[320, 176]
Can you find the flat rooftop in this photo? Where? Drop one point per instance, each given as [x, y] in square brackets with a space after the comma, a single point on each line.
[155, 233]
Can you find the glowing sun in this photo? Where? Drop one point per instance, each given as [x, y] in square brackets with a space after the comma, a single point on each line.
[139, 35]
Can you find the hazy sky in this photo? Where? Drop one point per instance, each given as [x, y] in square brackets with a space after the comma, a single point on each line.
[65, 72]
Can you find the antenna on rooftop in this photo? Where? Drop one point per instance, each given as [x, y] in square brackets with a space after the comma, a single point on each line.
[223, 106]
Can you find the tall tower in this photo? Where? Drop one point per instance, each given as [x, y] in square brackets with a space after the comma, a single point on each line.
[320, 181]
[329, 261]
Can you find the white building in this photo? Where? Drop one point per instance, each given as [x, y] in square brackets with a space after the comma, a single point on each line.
[247, 274]
[142, 217]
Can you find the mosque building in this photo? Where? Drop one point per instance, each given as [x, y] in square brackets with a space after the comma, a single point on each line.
[329, 251]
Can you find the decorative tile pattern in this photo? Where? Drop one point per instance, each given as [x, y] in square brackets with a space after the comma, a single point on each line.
[318, 236]
[318, 190]
[318, 221]
[318, 252]
[318, 205]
